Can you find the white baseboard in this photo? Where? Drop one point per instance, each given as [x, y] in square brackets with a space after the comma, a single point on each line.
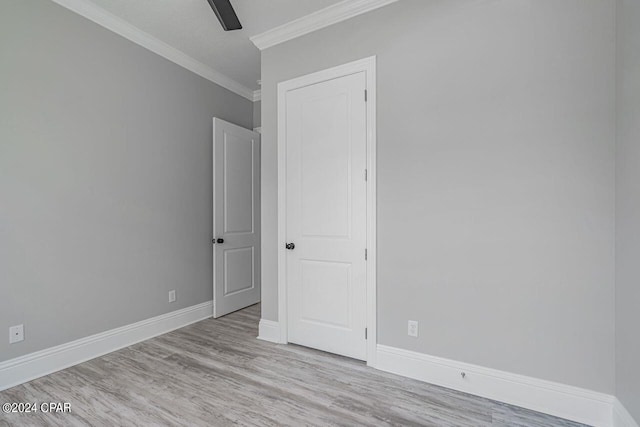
[31, 366]
[621, 417]
[572, 403]
[269, 331]
[568, 402]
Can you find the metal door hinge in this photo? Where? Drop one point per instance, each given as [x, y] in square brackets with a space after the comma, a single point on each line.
[365, 95]
[365, 333]
[366, 175]
[365, 254]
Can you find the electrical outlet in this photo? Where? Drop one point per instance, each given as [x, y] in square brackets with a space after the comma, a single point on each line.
[172, 296]
[16, 334]
[412, 330]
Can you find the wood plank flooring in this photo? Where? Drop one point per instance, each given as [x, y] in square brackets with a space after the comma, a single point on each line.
[216, 373]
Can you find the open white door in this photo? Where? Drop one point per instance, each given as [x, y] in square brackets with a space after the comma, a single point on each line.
[236, 217]
[326, 215]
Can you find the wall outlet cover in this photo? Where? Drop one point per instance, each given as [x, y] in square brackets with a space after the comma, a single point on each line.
[16, 334]
[172, 296]
[412, 329]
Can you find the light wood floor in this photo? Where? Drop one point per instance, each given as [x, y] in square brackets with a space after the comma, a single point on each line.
[216, 373]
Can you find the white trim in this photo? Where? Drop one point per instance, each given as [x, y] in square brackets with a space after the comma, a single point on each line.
[564, 401]
[123, 28]
[622, 417]
[372, 217]
[315, 21]
[268, 330]
[257, 95]
[31, 366]
[367, 65]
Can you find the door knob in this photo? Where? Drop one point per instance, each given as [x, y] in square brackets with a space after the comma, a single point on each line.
[219, 241]
[290, 246]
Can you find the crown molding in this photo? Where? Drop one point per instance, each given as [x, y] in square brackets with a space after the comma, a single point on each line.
[130, 32]
[333, 14]
[257, 95]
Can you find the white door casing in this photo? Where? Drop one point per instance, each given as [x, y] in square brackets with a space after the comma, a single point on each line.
[236, 217]
[326, 171]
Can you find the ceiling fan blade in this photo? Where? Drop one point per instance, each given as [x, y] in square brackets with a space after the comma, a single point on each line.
[226, 15]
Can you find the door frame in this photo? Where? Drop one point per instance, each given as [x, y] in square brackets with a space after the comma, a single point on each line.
[368, 66]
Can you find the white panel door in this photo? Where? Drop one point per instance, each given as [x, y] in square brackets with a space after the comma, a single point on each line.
[326, 215]
[236, 217]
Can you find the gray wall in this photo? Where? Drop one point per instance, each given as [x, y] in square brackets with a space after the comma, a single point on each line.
[628, 208]
[257, 114]
[496, 138]
[105, 178]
